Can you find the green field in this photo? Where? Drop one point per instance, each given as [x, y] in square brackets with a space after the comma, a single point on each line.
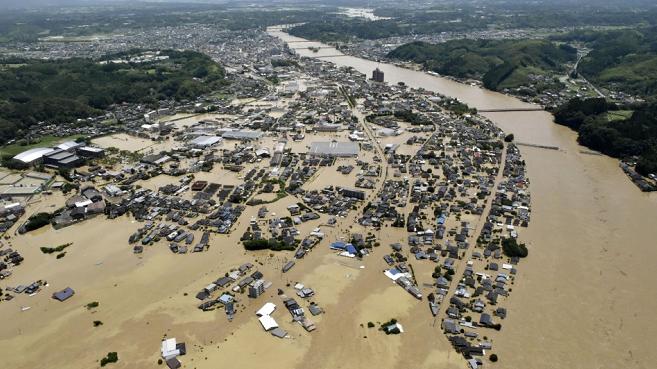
[619, 115]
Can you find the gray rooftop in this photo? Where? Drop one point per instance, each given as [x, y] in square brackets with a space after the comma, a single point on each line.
[204, 141]
[334, 148]
[242, 135]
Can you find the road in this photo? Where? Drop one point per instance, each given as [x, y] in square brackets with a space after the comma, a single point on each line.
[459, 265]
[579, 58]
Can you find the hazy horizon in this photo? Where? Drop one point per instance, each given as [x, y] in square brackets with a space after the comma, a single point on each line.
[25, 4]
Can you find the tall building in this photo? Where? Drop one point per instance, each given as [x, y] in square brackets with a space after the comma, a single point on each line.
[377, 75]
[257, 288]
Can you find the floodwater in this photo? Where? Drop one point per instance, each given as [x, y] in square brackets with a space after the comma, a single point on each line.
[361, 13]
[584, 297]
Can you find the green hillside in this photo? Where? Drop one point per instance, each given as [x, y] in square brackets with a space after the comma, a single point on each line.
[635, 135]
[62, 91]
[624, 60]
[498, 63]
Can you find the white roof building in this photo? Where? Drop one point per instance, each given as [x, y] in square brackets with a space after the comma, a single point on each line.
[262, 152]
[268, 323]
[90, 150]
[267, 309]
[168, 349]
[32, 155]
[69, 145]
[81, 204]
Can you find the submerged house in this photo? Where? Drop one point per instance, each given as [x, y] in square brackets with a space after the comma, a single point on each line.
[64, 294]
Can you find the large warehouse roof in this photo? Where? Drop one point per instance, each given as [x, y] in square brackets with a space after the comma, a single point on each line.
[204, 141]
[68, 145]
[334, 148]
[242, 135]
[33, 154]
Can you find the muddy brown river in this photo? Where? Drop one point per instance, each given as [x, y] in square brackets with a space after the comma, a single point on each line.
[584, 297]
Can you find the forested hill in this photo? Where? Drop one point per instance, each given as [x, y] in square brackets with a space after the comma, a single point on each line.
[498, 63]
[624, 60]
[619, 133]
[64, 90]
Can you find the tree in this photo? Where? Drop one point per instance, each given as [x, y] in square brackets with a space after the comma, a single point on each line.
[271, 244]
[37, 221]
[512, 248]
[65, 173]
[42, 90]
[9, 162]
[493, 358]
[509, 138]
[112, 357]
[201, 72]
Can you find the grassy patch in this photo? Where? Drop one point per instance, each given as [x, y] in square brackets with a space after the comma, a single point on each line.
[92, 305]
[619, 115]
[51, 250]
[46, 141]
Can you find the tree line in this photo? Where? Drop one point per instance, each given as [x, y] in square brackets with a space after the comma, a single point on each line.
[635, 136]
[61, 91]
[498, 63]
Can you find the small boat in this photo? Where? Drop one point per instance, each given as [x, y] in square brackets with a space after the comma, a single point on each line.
[433, 305]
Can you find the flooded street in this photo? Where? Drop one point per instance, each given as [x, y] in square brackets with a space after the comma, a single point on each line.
[592, 240]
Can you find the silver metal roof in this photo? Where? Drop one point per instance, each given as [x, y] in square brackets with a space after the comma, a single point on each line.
[334, 148]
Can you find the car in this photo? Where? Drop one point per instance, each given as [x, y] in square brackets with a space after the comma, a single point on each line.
[4, 274]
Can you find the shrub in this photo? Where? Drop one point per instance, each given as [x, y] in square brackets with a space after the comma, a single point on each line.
[97, 323]
[111, 357]
[370, 325]
[50, 250]
[92, 305]
[271, 244]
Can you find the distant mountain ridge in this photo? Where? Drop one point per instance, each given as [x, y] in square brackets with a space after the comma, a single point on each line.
[498, 63]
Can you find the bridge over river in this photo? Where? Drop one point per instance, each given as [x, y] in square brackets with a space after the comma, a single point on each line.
[538, 108]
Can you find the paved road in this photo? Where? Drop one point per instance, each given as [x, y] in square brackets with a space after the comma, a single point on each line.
[459, 265]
